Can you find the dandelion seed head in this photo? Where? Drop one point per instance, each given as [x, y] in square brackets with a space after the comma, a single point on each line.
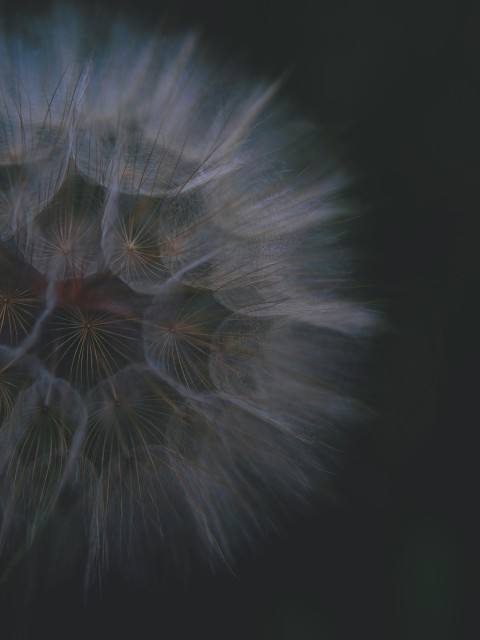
[176, 340]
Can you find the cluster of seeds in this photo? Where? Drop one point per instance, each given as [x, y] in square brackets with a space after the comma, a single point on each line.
[173, 335]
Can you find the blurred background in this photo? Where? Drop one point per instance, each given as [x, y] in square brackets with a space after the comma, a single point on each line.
[396, 87]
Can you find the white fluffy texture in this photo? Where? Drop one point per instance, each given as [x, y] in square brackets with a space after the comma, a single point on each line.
[174, 339]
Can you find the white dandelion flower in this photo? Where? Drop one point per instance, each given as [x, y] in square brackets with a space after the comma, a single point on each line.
[177, 343]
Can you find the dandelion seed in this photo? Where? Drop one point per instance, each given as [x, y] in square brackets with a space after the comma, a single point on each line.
[176, 342]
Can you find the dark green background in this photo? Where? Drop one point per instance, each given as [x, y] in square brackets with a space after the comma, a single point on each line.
[397, 87]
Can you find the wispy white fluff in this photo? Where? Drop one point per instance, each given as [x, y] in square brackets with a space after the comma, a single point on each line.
[175, 343]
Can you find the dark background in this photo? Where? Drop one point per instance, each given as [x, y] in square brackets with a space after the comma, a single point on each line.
[397, 87]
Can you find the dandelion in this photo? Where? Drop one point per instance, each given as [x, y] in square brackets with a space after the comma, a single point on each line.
[176, 338]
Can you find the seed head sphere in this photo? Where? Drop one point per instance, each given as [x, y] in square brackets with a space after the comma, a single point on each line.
[177, 346]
